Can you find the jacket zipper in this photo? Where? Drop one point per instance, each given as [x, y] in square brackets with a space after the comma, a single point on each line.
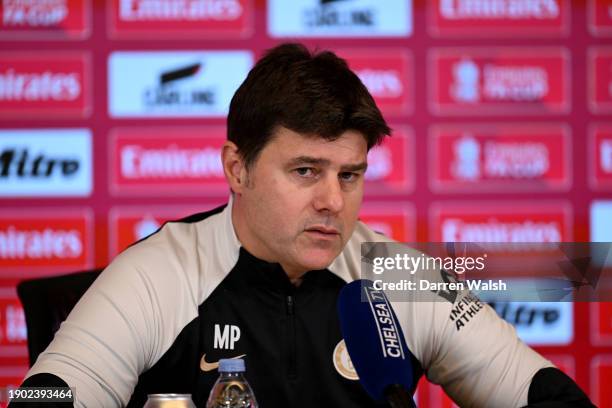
[292, 366]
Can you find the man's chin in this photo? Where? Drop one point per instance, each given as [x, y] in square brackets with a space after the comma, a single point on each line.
[319, 259]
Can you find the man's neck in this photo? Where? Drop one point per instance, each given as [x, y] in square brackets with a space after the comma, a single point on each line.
[294, 275]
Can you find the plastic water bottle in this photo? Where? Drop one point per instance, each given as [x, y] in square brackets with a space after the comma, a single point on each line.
[231, 389]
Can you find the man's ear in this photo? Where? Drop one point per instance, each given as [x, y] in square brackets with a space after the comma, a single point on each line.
[233, 167]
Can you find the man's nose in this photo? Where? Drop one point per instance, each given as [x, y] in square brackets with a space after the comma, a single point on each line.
[329, 195]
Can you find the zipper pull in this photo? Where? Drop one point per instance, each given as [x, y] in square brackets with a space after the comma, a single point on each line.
[289, 304]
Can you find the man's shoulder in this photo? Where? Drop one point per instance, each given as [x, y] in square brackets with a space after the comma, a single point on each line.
[361, 234]
[364, 233]
[178, 237]
[347, 265]
[180, 233]
[194, 251]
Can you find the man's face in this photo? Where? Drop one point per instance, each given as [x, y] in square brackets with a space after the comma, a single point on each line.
[302, 199]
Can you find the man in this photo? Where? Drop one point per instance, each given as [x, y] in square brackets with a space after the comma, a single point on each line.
[259, 278]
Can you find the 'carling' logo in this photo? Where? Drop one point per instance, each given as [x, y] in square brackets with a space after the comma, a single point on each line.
[171, 93]
[538, 323]
[328, 15]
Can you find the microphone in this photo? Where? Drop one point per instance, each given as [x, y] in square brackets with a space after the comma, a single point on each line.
[375, 342]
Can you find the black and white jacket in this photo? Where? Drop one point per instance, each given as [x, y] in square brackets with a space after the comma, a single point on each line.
[168, 308]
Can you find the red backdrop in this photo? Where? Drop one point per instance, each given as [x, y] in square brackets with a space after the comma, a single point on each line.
[501, 116]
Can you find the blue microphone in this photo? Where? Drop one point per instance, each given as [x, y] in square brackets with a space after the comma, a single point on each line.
[375, 343]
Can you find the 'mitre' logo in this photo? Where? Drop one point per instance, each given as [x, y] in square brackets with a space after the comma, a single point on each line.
[21, 163]
[536, 323]
[53, 162]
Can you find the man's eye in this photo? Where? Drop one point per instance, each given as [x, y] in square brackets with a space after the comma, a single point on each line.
[305, 171]
[349, 176]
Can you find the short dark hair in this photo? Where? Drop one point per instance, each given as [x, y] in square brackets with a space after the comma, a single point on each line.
[310, 93]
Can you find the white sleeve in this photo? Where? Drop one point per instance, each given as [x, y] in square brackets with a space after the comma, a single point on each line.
[468, 349]
[122, 326]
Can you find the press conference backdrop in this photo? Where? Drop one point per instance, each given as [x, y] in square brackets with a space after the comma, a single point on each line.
[112, 116]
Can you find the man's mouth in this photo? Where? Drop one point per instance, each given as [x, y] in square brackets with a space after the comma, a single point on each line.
[322, 232]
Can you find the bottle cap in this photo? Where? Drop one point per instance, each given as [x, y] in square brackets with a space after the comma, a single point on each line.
[231, 365]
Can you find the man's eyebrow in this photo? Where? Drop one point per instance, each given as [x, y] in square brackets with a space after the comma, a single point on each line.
[302, 160]
[355, 167]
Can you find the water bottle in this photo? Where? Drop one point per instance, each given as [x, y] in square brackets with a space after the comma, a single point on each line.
[169, 400]
[231, 389]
